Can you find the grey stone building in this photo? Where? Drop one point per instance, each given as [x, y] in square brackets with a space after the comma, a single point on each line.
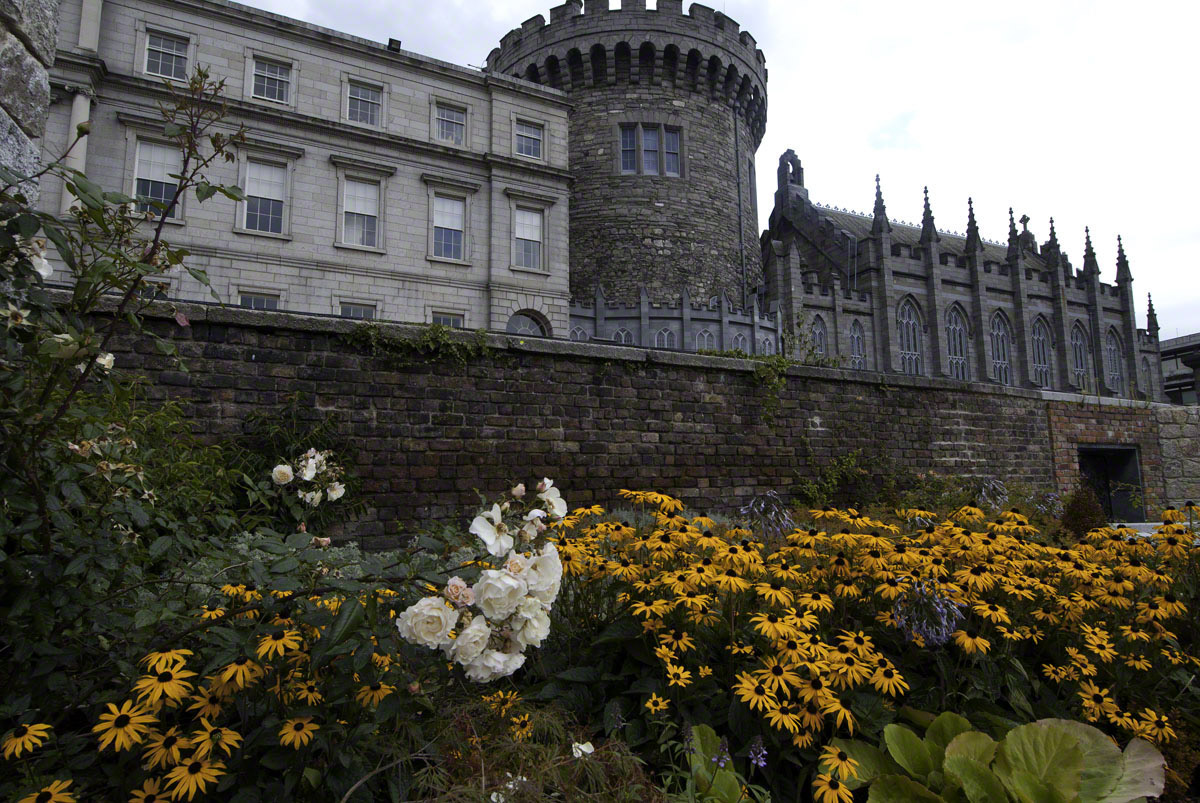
[380, 183]
[27, 41]
[1181, 369]
[873, 294]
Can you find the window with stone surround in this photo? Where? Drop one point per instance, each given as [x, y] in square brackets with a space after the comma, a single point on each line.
[1002, 343]
[858, 350]
[956, 344]
[453, 320]
[450, 123]
[361, 213]
[1079, 358]
[253, 300]
[266, 196]
[363, 104]
[528, 137]
[361, 312]
[1041, 354]
[819, 337]
[272, 81]
[155, 184]
[908, 325]
[166, 55]
[1114, 356]
[650, 149]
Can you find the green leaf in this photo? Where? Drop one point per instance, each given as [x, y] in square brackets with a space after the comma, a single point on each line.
[872, 762]
[908, 750]
[725, 787]
[349, 616]
[580, 674]
[298, 541]
[159, 546]
[900, 789]
[978, 782]
[973, 745]
[144, 618]
[276, 759]
[1030, 789]
[313, 776]
[1142, 773]
[285, 565]
[1101, 758]
[172, 129]
[1049, 755]
[940, 733]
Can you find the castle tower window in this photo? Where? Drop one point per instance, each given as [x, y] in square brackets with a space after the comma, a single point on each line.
[1113, 355]
[266, 192]
[272, 81]
[449, 221]
[529, 139]
[1001, 350]
[579, 335]
[624, 337]
[956, 344]
[740, 343]
[528, 246]
[363, 104]
[629, 158]
[664, 339]
[858, 349]
[671, 152]
[153, 182]
[766, 346]
[705, 340]
[908, 325]
[1079, 358]
[651, 150]
[166, 55]
[819, 337]
[1041, 354]
[451, 124]
[361, 213]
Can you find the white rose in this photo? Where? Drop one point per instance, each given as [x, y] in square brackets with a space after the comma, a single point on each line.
[516, 564]
[545, 574]
[491, 530]
[427, 623]
[532, 624]
[282, 474]
[580, 750]
[518, 490]
[458, 592]
[309, 470]
[335, 491]
[311, 498]
[554, 500]
[499, 593]
[470, 642]
[105, 361]
[492, 664]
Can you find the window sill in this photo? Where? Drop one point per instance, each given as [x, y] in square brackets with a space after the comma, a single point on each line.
[363, 126]
[171, 221]
[370, 249]
[531, 271]
[462, 263]
[539, 160]
[255, 233]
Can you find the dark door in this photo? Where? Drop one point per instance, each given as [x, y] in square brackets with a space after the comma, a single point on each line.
[1115, 476]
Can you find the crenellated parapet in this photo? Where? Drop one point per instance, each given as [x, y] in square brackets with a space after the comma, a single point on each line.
[703, 52]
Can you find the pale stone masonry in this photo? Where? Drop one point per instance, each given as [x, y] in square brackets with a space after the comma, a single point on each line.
[353, 152]
[27, 39]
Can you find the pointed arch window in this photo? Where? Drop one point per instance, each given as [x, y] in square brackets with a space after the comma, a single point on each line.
[1079, 358]
[819, 336]
[766, 345]
[1041, 354]
[664, 339]
[1113, 354]
[956, 344]
[705, 340]
[740, 342]
[579, 335]
[908, 324]
[858, 347]
[624, 337]
[1001, 350]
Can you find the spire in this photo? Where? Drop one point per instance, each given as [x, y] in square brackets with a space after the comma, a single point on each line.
[1090, 265]
[1151, 317]
[880, 225]
[928, 230]
[1123, 274]
[974, 243]
[1053, 241]
[1014, 239]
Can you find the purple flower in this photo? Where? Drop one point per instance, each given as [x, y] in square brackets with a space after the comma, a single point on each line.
[758, 753]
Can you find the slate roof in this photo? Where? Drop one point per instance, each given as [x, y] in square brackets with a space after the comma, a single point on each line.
[859, 225]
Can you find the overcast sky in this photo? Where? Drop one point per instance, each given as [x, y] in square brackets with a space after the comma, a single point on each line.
[1083, 111]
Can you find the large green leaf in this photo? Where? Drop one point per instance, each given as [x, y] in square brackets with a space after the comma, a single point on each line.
[1031, 789]
[1142, 774]
[908, 750]
[900, 789]
[974, 745]
[872, 762]
[1101, 758]
[978, 782]
[940, 732]
[1051, 756]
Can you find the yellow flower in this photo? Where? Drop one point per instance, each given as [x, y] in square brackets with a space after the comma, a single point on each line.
[656, 704]
[754, 693]
[170, 684]
[209, 737]
[162, 661]
[151, 792]
[373, 693]
[241, 673]
[784, 716]
[678, 676]
[277, 643]
[777, 675]
[677, 640]
[56, 792]
[521, 727]
[827, 789]
[889, 682]
[834, 760]
[297, 732]
[123, 727]
[24, 737]
[192, 777]
[1155, 726]
[308, 693]
[970, 641]
[164, 749]
[208, 703]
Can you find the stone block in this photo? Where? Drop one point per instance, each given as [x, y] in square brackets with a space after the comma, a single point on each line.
[37, 22]
[24, 85]
[18, 153]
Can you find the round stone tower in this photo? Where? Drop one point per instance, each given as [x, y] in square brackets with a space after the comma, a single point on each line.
[668, 111]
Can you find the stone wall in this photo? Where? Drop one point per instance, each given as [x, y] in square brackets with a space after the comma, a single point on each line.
[601, 418]
[27, 38]
[1179, 431]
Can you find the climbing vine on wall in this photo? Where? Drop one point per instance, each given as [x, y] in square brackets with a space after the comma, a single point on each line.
[433, 344]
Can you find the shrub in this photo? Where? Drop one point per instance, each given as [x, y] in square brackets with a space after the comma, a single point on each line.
[1082, 512]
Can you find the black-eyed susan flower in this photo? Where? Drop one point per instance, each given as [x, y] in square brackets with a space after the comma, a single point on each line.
[308, 693]
[827, 789]
[520, 728]
[169, 684]
[163, 749]
[373, 693]
[784, 716]
[888, 681]
[773, 626]
[1155, 726]
[24, 738]
[278, 642]
[168, 659]
[151, 792]
[123, 727]
[193, 776]
[970, 641]
[777, 675]
[54, 792]
[1097, 704]
[208, 703]
[209, 738]
[678, 676]
[657, 704]
[835, 761]
[241, 673]
[842, 714]
[754, 693]
[297, 732]
[678, 640]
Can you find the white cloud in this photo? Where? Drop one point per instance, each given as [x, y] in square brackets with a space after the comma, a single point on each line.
[1083, 111]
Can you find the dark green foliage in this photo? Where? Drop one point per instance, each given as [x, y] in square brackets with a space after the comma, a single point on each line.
[1082, 512]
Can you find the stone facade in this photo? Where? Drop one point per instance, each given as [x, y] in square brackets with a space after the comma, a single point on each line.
[1181, 369]
[1179, 431]
[418, 131]
[600, 418]
[875, 294]
[646, 223]
[27, 44]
